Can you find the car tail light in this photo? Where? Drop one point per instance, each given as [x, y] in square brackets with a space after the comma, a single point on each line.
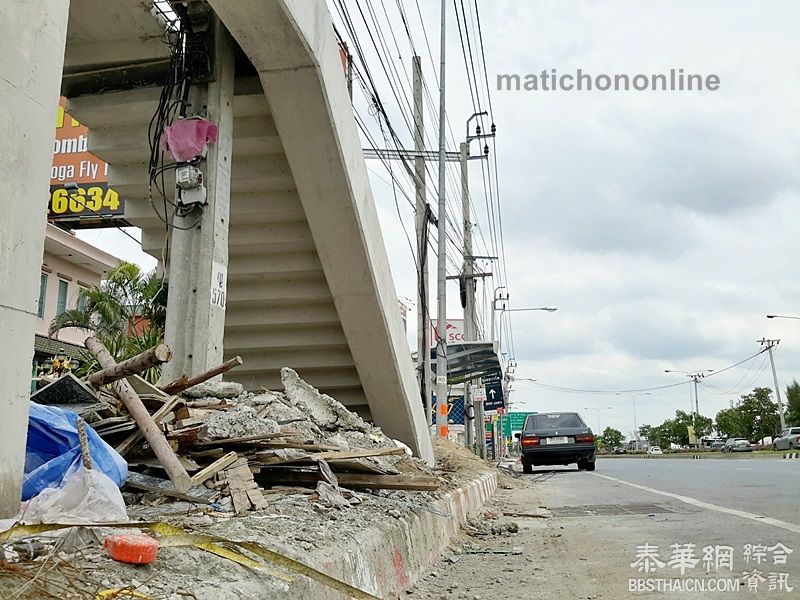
[584, 438]
[530, 441]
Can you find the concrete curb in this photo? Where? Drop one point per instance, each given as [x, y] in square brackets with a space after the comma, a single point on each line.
[791, 455]
[389, 559]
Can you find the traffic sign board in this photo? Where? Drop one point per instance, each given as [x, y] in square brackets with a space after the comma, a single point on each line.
[514, 421]
[493, 382]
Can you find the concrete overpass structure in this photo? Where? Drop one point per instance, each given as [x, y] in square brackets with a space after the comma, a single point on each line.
[291, 217]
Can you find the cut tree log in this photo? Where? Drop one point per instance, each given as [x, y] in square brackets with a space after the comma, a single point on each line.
[132, 366]
[184, 383]
[177, 474]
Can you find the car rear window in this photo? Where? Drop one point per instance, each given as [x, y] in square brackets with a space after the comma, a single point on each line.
[553, 421]
[795, 430]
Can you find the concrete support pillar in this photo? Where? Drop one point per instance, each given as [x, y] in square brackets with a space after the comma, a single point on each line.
[29, 89]
[198, 265]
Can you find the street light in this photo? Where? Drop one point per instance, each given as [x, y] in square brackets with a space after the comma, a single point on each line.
[633, 399]
[598, 414]
[505, 310]
[781, 317]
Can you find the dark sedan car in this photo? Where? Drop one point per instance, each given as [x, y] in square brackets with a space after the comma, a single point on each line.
[556, 439]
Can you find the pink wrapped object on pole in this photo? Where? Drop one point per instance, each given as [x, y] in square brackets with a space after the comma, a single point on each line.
[187, 138]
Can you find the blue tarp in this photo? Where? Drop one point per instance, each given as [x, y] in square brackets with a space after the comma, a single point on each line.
[53, 450]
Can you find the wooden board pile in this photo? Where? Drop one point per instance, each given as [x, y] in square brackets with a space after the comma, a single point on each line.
[217, 442]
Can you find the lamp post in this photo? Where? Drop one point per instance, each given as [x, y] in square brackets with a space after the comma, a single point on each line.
[635, 423]
[599, 432]
[504, 310]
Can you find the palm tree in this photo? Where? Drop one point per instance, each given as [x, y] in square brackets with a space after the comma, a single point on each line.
[127, 312]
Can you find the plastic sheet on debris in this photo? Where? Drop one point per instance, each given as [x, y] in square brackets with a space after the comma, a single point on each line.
[53, 451]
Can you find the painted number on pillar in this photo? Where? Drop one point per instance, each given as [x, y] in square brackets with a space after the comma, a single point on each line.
[218, 285]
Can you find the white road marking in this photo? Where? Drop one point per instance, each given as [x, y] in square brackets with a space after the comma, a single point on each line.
[708, 506]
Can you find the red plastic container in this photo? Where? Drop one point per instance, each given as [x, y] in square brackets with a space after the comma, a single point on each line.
[131, 548]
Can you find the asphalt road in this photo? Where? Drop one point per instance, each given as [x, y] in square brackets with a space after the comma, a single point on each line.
[734, 502]
[591, 544]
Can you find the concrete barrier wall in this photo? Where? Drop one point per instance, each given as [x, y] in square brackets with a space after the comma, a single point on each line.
[391, 558]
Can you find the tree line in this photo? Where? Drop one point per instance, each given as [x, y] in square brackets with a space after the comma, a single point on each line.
[753, 416]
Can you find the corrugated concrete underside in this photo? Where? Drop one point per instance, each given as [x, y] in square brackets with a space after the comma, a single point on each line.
[309, 284]
[280, 310]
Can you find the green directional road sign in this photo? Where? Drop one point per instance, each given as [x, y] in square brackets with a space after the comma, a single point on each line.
[514, 421]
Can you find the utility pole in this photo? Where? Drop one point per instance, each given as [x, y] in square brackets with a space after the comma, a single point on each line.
[198, 261]
[421, 220]
[695, 377]
[770, 344]
[441, 312]
[469, 287]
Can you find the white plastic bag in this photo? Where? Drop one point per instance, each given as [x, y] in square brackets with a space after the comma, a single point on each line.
[87, 496]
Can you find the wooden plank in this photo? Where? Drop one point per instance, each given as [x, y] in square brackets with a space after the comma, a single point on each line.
[330, 456]
[247, 440]
[152, 463]
[184, 383]
[422, 483]
[130, 441]
[147, 483]
[214, 468]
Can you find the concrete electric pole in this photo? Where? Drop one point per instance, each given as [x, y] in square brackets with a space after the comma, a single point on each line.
[198, 262]
[469, 287]
[442, 429]
[770, 344]
[422, 218]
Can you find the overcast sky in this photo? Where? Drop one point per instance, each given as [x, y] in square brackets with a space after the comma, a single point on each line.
[662, 224]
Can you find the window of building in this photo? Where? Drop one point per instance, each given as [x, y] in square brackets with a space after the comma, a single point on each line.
[63, 290]
[42, 294]
[81, 305]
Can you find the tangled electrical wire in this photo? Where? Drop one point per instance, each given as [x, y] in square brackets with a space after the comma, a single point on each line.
[172, 102]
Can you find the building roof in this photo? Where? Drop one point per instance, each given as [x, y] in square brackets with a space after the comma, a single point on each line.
[68, 247]
[52, 346]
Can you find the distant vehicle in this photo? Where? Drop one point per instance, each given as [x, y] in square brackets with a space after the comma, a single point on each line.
[556, 439]
[717, 445]
[655, 450]
[788, 439]
[619, 450]
[737, 445]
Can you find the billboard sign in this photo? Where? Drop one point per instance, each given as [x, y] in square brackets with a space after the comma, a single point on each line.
[79, 190]
[454, 329]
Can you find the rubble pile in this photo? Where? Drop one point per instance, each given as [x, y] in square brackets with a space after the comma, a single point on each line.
[234, 444]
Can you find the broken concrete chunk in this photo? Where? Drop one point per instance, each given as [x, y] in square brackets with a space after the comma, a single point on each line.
[239, 421]
[326, 412]
[215, 389]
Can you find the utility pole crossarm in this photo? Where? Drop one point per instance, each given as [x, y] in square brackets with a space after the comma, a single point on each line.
[399, 154]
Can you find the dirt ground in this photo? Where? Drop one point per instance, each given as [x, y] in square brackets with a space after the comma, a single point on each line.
[518, 557]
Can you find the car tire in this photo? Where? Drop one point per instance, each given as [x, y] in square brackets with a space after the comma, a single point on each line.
[590, 466]
[527, 468]
[582, 465]
[774, 447]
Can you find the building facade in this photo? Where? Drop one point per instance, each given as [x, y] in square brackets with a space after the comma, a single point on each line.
[68, 265]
